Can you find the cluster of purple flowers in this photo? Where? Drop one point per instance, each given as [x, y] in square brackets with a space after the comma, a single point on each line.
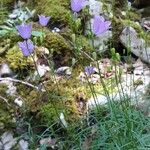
[99, 24]
[25, 31]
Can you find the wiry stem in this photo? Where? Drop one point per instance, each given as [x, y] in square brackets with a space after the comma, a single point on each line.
[5, 100]
[23, 82]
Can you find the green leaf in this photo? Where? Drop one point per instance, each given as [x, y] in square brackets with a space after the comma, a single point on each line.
[37, 33]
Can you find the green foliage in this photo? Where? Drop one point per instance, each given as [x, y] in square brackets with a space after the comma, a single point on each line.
[16, 59]
[4, 9]
[119, 126]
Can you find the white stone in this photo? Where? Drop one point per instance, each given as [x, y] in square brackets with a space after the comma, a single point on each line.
[8, 141]
[42, 69]
[129, 38]
[18, 101]
[5, 70]
[13, 16]
[95, 7]
[63, 121]
[65, 70]
[23, 145]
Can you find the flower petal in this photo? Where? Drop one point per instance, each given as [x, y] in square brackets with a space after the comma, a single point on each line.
[99, 25]
[26, 47]
[43, 20]
[77, 5]
[25, 30]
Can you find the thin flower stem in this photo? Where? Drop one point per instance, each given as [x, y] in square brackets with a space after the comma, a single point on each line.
[44, 85]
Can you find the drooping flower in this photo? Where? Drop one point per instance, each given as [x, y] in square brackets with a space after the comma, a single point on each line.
[43, 20]
[26, 47]
[77, 5]
[99, 25]
[89, 70]
[25, 30]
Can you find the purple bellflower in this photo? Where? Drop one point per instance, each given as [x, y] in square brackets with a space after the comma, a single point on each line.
[89, 70]
[43, 20]
[25, 30]
[77, 5]
[26, 47]
[99, 25]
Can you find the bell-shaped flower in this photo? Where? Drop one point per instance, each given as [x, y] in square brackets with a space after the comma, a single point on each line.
[26, 47]
[77, 5]
[99, 25]
[89, 70]
[43, 20]
[25, 30]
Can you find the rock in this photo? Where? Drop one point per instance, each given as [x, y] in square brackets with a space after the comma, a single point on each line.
[23, 145]
[95, 7]
[129, 38]
[5, 70]
[56, 30]
[18, 101]
[11, 89]
[1, 145]
[65, 70]
[134, 87]
[7, 141]
[41, 70]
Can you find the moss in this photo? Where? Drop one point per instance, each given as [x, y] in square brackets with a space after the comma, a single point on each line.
[64, 98]
[57, 9]
[4, 9]
[59, 48]
[5, 111]
[7, 2]
[56, 42]
[16, 59]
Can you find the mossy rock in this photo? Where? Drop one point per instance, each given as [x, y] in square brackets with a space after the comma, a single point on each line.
[60, 49]
[6, 111]
[57, 9]
[45, 106]
[16, 59]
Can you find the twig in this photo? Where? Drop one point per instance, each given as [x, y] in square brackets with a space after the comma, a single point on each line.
[23, 82]
[5, 100]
